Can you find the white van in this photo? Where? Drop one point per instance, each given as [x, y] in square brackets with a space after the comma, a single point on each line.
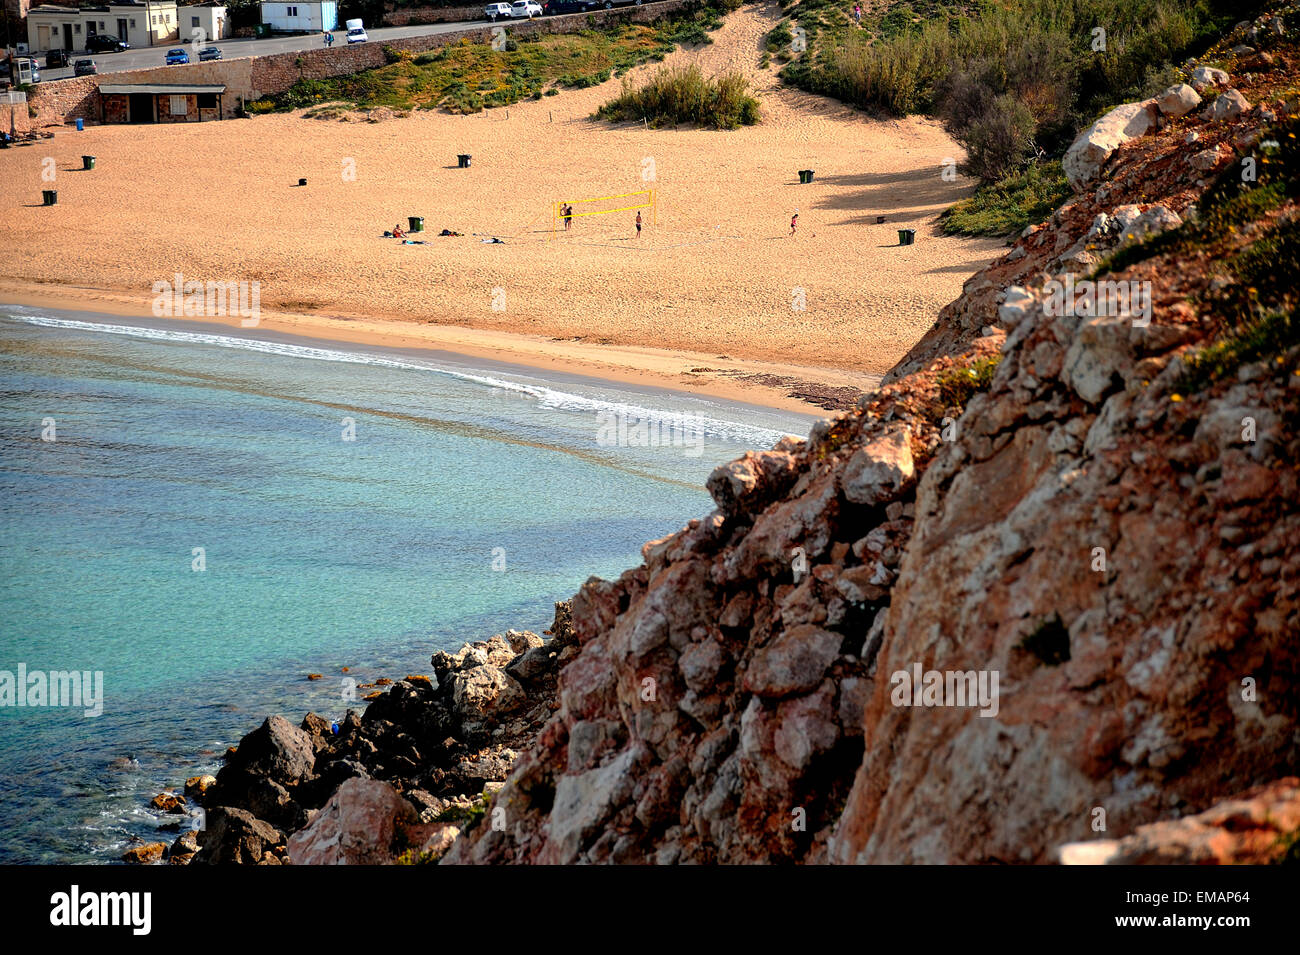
[495, 10]
[356, 32]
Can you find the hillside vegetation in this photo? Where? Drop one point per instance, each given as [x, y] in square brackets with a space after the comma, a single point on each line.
[1014, 82]
[466, 77]
[686, 95]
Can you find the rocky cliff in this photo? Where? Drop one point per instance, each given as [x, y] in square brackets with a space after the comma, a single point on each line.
[1034, 600]
[1040, 589]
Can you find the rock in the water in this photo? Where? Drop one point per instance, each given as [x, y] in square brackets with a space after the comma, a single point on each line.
[196, 786]
[184, 848]
[277, 750]
[169, 802]
[145, 854]
[236, 836]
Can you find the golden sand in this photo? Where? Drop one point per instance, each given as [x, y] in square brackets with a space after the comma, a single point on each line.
[714, 289]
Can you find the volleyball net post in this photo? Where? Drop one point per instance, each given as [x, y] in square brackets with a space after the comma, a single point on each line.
[648, 195]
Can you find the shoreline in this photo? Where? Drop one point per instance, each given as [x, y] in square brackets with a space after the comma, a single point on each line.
[801, 389]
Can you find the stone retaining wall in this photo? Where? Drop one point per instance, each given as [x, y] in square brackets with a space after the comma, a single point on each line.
[249, 78]
[403, 17]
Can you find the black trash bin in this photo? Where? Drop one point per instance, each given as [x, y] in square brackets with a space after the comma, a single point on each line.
[880, 220]
[87, 162]
[809, 172]
[906, 236]
[51, 196]
[463, 160]
[416, 223]
[302, 182]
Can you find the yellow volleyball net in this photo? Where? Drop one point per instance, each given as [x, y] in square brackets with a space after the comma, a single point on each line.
[565, 209]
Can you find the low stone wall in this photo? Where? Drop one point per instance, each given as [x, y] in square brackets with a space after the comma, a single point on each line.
[249, 78]
[405, 16]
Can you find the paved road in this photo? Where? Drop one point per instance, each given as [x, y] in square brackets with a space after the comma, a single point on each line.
[152, 56]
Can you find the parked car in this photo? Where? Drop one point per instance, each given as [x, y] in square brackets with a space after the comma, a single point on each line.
[209, 53]
[177, 55]
[104, 43]
[84, 68]
[356, 31]
[496, 11]
[522, 9]
[55, 59]
[554, 7]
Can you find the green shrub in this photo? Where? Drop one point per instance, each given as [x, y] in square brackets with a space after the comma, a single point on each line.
[999, 140]
[958, 385]
[779, 38]
[1005, 207]
[958, 58]
[686, 95]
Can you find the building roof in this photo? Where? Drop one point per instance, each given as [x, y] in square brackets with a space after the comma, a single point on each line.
[99, 7]
[111, 88]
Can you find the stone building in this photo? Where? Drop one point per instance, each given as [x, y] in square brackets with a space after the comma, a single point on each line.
[140, 23]
[160, 102]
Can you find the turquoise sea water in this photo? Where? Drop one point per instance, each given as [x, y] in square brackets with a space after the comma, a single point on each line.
[469, 501]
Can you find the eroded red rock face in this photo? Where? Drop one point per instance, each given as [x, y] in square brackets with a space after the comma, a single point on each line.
[1257, 827]
[1101, 561]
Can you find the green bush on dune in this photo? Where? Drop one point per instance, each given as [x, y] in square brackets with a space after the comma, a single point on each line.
[1007, 206]
[686, 95]
[1013, 81]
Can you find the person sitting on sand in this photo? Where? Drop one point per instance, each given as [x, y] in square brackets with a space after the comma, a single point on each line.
[398, 233]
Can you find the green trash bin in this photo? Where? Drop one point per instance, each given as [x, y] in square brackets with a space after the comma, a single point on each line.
[416, 223]
[50, 196]
[87, 162]
[906, 236]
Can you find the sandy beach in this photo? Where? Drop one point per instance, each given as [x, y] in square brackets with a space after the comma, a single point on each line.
[715, 295]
